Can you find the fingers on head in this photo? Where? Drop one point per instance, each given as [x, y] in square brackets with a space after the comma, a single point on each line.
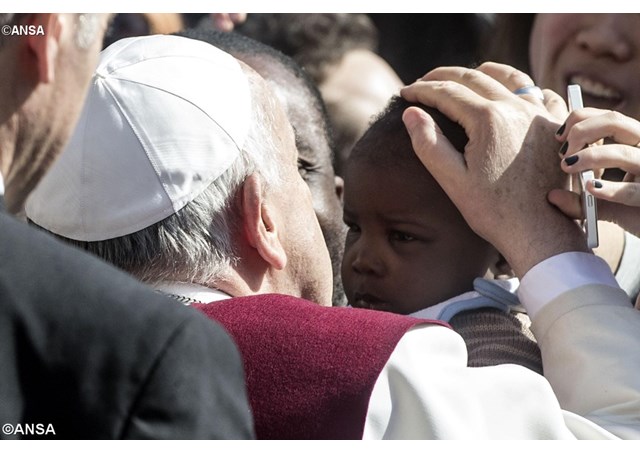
[508, 76]
[477, 81]
[433, 149]
[422, 130]
[456, 101]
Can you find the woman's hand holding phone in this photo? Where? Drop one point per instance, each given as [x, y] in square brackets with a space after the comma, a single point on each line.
[618, 202]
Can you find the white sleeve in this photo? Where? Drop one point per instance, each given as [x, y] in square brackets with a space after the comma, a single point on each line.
[561, 273]
[426, 391]
[590, 344]
[587, 331]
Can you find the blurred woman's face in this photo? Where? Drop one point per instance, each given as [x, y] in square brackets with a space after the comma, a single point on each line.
[600, 52]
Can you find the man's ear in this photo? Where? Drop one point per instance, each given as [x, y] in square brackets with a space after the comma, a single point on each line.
[45, 47]
[260, 224]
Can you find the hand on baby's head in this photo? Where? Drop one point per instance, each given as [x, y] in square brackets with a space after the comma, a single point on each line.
[407, 247]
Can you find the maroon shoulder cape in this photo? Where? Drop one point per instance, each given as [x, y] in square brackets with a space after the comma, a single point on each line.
[310, 370]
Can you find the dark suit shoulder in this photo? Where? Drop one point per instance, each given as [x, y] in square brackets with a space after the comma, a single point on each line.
[84, 343]
[53, 287]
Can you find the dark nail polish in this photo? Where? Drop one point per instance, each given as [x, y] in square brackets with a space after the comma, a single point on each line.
[561, 130]
[597, 184]
[571, 160]
[563, 148]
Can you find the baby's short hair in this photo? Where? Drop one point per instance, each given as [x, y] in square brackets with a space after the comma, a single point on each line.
[387, 141]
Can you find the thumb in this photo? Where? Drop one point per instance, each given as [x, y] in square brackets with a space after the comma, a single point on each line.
[437, 154]
[568, 202]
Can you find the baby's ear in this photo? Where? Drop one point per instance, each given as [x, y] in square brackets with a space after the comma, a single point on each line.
[501, 269]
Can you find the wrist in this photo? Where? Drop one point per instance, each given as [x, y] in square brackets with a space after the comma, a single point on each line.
[536, 242]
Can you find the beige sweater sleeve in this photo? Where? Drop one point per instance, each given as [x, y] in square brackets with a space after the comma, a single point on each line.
[590, 343]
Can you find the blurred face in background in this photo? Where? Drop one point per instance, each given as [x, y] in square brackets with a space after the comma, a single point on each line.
[600, 52]
[52, 108]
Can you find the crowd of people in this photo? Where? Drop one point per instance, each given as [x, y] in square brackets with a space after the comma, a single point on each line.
[185, 253]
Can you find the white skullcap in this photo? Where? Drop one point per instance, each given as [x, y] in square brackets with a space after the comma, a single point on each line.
[165, 116]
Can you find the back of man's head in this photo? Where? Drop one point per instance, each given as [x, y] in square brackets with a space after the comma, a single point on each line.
[183, 168]
[132, 197]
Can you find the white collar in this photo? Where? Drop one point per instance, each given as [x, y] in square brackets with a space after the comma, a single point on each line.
[193, 291]
[1, 185]
[438, 310]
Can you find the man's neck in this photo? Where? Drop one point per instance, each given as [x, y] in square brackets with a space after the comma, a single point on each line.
[232, 285]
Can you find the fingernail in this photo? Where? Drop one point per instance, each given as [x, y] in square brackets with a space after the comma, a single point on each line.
[571, 160]
[561, 130]
[597, 184]
[563, 148]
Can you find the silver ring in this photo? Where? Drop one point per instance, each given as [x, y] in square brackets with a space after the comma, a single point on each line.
[532, 90]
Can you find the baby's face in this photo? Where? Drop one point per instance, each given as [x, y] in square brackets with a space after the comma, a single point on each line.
[407, 247]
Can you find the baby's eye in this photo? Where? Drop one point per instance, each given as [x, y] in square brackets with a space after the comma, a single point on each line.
[401, 237]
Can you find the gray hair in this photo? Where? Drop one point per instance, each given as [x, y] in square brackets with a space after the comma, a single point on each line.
[197, 244]
[87, 26]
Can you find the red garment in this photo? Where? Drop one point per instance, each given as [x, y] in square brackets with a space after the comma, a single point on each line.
[310, 370]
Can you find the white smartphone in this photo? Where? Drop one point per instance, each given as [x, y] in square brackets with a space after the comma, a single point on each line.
[589, 205]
